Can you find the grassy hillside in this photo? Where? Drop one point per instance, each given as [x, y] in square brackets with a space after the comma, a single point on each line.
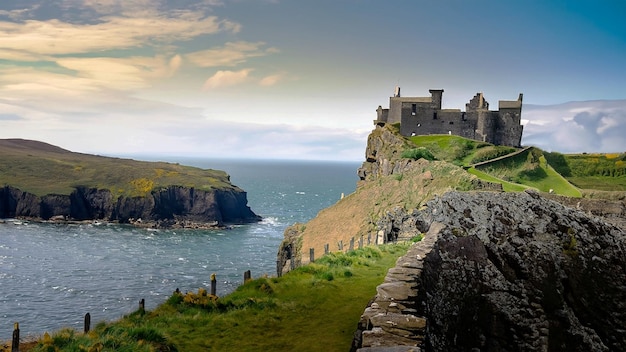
[527, 169]
[314, 308]
[606, 172]
[458, 150]
[40, 168]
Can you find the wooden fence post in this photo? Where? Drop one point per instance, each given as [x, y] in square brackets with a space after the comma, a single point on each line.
[340, 245]
[312, 254]
[142, 306]
[15, 344]
[247, 276]
[87, 322]
[213, 285]
[369, 239]
[326, 249]
[361, 242]
[279, 268]
[352, 244]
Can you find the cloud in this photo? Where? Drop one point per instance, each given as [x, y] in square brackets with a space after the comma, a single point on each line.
[231, 54]
[575, 127]
[218, 138]
[10, 117]
[226, 78]
[271, 80]
[122, 73]
[35, 38]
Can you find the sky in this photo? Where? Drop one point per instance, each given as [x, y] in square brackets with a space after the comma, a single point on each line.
[301, 79]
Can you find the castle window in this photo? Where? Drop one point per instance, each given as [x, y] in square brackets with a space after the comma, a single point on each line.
[463, 116]
[434, 115]
[413, 109]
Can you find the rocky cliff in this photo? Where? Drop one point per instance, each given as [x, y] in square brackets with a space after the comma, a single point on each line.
[503, 272]
[171, 206]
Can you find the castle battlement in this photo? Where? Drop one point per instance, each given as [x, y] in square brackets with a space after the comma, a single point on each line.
[424, 116]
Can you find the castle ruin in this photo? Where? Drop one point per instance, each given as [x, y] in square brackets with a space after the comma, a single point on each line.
[424, 116]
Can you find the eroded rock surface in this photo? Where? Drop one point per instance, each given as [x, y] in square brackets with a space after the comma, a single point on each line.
[505, 272]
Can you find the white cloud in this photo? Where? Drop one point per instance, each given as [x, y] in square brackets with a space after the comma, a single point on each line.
[575, 127]
[227, 78]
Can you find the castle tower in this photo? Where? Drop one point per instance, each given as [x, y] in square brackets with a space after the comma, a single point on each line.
[437, 96]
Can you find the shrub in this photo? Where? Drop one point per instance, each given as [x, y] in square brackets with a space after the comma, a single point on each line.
[418, 153]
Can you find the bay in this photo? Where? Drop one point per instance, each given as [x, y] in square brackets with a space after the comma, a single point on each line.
[51, 275]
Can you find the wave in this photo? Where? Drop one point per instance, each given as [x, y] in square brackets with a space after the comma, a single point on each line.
[270, 220]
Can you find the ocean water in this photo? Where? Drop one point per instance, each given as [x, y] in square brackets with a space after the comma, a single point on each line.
[51, 274]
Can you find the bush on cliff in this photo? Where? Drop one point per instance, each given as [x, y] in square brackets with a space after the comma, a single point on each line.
[418, 153]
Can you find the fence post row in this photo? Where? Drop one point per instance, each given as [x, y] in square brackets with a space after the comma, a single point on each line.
[15, 344]
[142, 306]
[213, 284]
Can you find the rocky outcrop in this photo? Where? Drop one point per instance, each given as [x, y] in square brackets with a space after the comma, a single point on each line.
[170, 206]
[383, 154]
[503, 272]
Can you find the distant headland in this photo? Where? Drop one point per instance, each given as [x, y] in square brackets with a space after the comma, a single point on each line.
[40, 181]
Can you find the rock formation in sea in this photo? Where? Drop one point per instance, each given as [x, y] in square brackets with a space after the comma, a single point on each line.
[171, 206]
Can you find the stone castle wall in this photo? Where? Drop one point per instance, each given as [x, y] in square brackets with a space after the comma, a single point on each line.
[424, 116]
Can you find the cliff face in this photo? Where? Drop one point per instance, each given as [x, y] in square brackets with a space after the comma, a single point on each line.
[174, 205]
[504, 272]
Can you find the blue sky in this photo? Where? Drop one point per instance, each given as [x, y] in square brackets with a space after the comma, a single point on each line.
[301, 79]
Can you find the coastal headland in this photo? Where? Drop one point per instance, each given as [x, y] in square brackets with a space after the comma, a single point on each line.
[47, 183]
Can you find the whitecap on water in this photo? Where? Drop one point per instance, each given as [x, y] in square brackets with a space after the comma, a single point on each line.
[270, 220]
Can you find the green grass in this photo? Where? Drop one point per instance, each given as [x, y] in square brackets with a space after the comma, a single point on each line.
[454, 149]
[44, 169]
[314, 308]
[506, 186]
[606, 172]
[531, 169]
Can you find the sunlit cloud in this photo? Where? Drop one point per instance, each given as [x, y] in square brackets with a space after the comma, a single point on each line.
[122, 73]
[227, 78]
[55, 37]
[271, 80]
[231, 54]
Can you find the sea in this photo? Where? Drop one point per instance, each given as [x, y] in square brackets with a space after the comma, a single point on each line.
[51, 275]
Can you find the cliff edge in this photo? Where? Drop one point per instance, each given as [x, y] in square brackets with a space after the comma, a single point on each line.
[495, 271]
